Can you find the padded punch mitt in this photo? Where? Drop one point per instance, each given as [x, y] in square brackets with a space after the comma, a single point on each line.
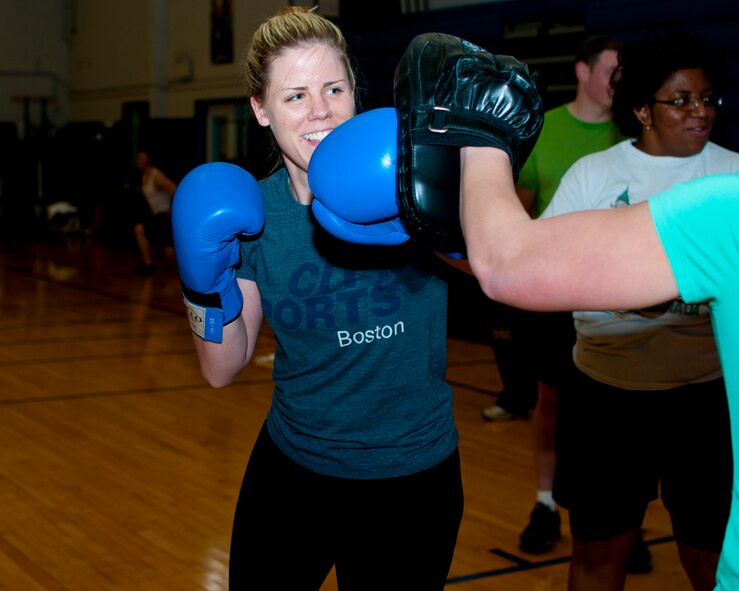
[451, 93]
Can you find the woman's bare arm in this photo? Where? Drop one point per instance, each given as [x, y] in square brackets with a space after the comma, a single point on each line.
[221, 363]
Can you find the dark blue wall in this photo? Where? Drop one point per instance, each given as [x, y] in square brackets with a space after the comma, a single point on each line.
[378, 39]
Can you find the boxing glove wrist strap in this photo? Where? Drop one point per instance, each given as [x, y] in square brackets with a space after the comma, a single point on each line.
[208, 313]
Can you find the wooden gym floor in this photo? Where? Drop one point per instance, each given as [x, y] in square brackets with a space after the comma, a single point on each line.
[119, 466]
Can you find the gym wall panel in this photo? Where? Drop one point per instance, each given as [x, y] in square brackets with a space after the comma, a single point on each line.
[118, 50]
[112, 46]
[33, 58]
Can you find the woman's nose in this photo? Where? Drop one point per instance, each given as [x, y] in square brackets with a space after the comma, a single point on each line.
[319, 108]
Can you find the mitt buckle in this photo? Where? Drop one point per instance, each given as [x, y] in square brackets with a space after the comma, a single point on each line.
[438, 120]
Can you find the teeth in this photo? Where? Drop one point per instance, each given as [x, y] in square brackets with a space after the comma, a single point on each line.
[319, 135]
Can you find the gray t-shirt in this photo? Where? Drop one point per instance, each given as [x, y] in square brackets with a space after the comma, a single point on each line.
[360, 363]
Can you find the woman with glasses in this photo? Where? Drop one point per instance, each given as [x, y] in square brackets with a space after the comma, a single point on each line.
[645, 414]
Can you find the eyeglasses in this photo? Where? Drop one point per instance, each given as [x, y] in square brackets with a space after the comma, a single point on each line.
[690, 102]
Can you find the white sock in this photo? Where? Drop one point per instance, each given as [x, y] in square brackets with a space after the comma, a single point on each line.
[545, 498]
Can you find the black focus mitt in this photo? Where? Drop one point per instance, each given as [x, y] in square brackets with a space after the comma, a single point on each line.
[451, 93]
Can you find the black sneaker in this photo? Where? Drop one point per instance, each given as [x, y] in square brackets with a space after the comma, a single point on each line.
[145, 270]
[639, 561]
[542, 531]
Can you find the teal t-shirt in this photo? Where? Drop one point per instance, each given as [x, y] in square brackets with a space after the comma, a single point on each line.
[563, 140]
[698, 224]
[360, 361]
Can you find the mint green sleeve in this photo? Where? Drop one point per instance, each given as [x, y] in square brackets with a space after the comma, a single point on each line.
[698, 225]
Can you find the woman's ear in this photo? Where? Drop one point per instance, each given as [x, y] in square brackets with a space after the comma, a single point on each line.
[259, 112]
[644, 115]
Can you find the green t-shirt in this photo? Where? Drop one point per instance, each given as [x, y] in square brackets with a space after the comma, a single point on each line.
[564, 139]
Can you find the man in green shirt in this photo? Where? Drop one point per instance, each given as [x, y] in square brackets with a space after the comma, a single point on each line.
[570, 131]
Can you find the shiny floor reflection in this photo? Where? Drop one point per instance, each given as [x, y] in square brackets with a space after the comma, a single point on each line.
[120, 467]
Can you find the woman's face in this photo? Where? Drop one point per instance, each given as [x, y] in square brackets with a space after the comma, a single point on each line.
[309, 94]
[673, 131]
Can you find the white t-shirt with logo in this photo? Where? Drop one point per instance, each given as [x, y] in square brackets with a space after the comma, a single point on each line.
[658, 348]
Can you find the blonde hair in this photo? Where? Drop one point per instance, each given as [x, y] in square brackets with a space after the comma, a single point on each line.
[293, 26]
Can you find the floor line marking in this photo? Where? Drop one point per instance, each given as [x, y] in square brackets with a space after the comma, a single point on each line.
[522, 564]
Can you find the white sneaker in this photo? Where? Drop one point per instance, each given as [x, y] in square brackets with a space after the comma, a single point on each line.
[497, 414]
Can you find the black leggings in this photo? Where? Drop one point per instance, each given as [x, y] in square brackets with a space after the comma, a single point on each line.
[293, 525]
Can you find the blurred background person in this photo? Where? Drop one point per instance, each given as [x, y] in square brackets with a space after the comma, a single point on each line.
[152, 223]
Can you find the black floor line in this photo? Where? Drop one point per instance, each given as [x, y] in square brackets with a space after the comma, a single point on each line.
[522, 564]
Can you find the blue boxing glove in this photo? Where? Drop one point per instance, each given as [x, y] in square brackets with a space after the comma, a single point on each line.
[353, 177]
[214, 204]
[387, 232]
